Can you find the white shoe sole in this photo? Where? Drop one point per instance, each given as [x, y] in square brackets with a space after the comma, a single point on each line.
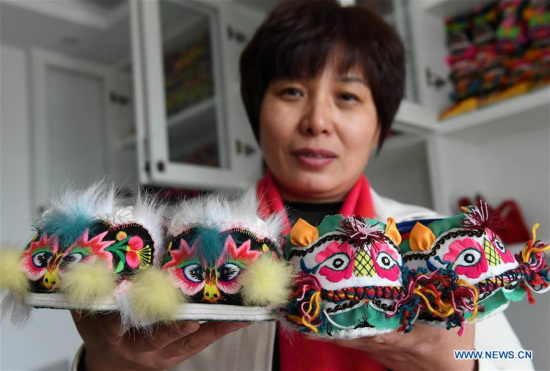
[190, 312]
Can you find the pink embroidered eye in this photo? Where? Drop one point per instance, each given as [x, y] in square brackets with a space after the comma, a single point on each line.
[468, 258]
[385, 261]
[337, 267]
[338, 262]
[193, 273]
[41, 260]
[228, 272]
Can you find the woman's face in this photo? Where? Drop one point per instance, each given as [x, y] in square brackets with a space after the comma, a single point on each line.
[317, 134]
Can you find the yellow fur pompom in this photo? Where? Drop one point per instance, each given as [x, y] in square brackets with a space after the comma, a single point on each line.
[153, 296]
[266, 282]
[87, 282]
[12, 275]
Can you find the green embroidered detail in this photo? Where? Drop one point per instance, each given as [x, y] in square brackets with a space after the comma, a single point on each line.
[365, 315]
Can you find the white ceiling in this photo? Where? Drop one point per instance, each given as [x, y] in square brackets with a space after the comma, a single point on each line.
[96, 30]
[76, 28]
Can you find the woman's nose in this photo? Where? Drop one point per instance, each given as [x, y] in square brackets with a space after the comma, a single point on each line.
[317, 118]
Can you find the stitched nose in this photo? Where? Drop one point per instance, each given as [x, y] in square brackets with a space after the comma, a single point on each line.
[362, 265]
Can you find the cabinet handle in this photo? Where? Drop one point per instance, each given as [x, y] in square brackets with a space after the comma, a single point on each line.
[160, 166]
[434, 80]
[244, 148]
[119, 99]
[237, 35]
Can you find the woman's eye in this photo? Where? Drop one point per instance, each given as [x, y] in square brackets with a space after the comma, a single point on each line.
[194, 273]
[337, 262]
[41, 260]
[468, 258]
[228, 272]
[385, 261]
[348, 97]
[291, 92]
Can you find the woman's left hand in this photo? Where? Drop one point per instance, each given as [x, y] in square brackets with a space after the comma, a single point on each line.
[424, 348]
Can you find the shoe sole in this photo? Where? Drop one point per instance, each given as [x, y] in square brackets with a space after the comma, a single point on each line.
[189, 312]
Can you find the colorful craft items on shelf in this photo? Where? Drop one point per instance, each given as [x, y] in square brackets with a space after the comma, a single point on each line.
[349, 277]
[188, 74]
[497, 52]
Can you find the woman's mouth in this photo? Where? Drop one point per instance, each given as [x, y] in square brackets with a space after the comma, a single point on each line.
[314, 158]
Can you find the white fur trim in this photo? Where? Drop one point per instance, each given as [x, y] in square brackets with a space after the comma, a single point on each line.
[18, 311]
[218, 211]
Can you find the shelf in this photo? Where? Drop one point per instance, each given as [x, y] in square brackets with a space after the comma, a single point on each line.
[411, 116]
[494, 112]
[188, 114]
[192, 111]
[449, 8]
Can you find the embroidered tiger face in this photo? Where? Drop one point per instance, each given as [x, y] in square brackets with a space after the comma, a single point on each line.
[207, 264]
[338, 260]
[475, 255]
[124, 248]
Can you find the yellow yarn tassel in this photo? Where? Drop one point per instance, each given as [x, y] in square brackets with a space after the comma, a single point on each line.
[314, 300]
[266, 281]
[476, 297]
[12, 276]
[154, 297]
[526, 252]
[448, 309]
[85, 283]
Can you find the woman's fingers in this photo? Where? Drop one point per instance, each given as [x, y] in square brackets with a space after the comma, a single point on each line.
[163, 346]
[207, 333]
[160, 336]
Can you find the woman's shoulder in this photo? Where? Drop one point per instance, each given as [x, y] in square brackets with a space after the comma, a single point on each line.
[386, 207]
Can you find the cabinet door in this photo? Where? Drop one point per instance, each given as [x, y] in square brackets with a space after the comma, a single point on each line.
[70, 112]
[187, 111]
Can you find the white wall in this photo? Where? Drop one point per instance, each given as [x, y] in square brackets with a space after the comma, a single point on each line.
[49, 341]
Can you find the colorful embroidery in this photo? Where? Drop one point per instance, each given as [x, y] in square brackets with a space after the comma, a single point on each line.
[213, 276]
[347, 275]
[467, 273]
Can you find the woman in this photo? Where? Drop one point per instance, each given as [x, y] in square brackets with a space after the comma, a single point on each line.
[321, 85]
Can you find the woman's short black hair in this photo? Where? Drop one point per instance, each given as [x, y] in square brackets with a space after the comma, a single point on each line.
[299, 37]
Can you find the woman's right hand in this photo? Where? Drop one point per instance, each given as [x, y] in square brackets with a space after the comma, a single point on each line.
[169, 344]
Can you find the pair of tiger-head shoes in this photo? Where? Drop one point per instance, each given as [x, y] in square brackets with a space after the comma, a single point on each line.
[218, 259]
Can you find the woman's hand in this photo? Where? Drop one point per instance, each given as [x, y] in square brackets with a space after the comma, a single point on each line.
[169, 345]
[424, 348]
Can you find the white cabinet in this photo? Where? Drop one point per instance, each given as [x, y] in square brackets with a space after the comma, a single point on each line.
[501, 151]
[189, 114]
